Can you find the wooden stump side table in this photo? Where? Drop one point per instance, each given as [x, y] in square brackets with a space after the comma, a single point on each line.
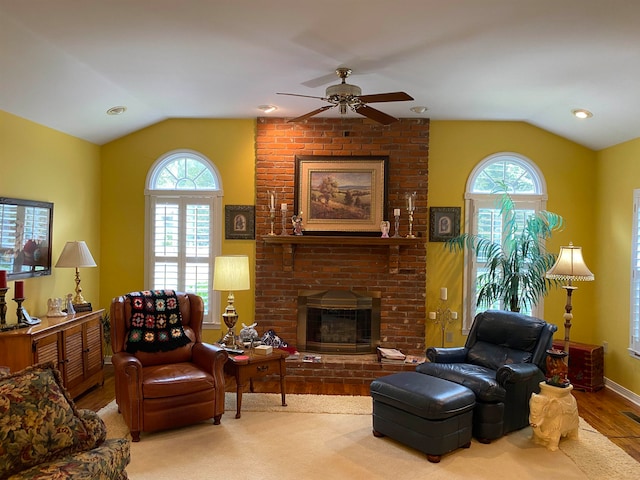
[248, 367]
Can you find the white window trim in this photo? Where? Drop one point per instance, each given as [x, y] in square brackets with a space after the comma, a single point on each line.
[212, 318]
[634, 312]
[475, 201]
[540, 184]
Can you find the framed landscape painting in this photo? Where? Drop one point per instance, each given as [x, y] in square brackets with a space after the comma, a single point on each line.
[341, 195]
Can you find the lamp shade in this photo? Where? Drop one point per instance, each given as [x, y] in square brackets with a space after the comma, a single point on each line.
[74, 255]
[570, 265]
[231, 273]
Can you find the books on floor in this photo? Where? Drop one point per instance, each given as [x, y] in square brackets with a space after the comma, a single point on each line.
[390, 355]
[312, 358]
[414, 359]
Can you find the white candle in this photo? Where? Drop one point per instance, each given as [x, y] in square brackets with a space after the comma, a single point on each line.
[432, 315]
[396, 212]
[454, 315]
[443, 293]
[272, 202]
[283, 207]
[410, 199]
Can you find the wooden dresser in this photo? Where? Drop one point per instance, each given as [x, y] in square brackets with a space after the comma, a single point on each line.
[73, 343]
[586, 365]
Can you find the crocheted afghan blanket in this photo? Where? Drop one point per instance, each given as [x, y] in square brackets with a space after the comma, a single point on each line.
[156, 323]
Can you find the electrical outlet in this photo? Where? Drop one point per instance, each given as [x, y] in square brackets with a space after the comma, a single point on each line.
[605, 346]
[449, 337]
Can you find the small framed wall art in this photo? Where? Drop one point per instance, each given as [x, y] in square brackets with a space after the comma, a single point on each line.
[444, 223]
[240, 222]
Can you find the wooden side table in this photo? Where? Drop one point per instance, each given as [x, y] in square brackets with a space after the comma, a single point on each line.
[586, 365]
[248, 367]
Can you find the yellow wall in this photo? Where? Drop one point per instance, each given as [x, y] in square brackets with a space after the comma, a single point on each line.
[618, 174]
[455, 148]
[98, 194]
[39, 163]
[229, 144]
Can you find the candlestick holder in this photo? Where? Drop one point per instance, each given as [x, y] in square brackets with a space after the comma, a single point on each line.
[272, 217]
[3, 305]
[411, 206]
[284, 223]
[272, 196]
[396, 224]
[410, 234]
[443, 316]
[19, 310]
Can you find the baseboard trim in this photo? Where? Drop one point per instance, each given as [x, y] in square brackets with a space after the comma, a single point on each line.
[623, 392]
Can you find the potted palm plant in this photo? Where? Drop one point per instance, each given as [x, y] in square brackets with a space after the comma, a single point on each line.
[515, 265]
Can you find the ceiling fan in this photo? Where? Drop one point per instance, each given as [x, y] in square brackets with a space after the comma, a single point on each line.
[345, 95]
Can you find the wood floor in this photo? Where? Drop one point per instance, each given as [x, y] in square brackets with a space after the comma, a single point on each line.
[608, 412]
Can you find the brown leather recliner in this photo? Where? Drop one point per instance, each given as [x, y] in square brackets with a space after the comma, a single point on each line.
[161, 390]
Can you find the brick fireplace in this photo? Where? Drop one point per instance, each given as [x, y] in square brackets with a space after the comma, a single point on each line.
[396, 272]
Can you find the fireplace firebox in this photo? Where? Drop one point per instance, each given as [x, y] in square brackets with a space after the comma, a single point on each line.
[338, 321]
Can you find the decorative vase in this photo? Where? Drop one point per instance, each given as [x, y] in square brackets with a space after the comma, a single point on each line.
[557, 369]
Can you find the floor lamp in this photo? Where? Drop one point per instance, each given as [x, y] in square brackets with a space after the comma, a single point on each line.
[231, 273]
[569, 266]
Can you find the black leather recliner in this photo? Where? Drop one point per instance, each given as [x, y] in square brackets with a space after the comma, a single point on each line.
[502, 362]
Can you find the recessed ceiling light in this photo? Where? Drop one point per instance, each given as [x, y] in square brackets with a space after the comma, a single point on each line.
[116, 110]
[267, 108]
[582, 113]
[418, 109]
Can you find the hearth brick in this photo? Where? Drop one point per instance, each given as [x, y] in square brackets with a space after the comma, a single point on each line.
[335, 369]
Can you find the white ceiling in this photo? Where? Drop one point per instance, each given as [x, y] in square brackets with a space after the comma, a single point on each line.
[63, 63]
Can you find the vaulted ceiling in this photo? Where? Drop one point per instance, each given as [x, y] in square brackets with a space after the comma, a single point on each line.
[63, 63]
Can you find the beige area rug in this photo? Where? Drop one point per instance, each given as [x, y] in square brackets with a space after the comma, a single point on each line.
[326, 436]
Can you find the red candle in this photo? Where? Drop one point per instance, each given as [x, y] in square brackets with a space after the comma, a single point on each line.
[3, 279]
[19, 289]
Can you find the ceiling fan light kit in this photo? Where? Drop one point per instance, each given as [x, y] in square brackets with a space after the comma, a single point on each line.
[345, 95]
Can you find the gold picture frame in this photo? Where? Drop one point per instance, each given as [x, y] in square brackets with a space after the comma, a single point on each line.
[340, 195]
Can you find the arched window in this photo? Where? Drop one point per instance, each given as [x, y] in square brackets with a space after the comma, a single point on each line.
[526, 186]
[183, 226]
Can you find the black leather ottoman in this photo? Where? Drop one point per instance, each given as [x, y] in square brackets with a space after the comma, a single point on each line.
[426, 413]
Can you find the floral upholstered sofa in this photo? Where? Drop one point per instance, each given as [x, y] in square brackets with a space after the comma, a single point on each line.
[43, 434]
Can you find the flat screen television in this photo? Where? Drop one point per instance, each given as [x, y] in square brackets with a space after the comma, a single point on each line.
[25, 237]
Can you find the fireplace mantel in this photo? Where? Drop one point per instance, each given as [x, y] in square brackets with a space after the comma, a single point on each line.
[289, 243]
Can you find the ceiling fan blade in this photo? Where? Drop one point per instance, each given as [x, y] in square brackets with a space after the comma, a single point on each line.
[320, 81]
[311, 114]
[376, 115]
[298, 95]
[386, 97]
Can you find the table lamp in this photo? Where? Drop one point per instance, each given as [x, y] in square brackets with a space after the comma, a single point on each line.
[231, 273]
[76, 255]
